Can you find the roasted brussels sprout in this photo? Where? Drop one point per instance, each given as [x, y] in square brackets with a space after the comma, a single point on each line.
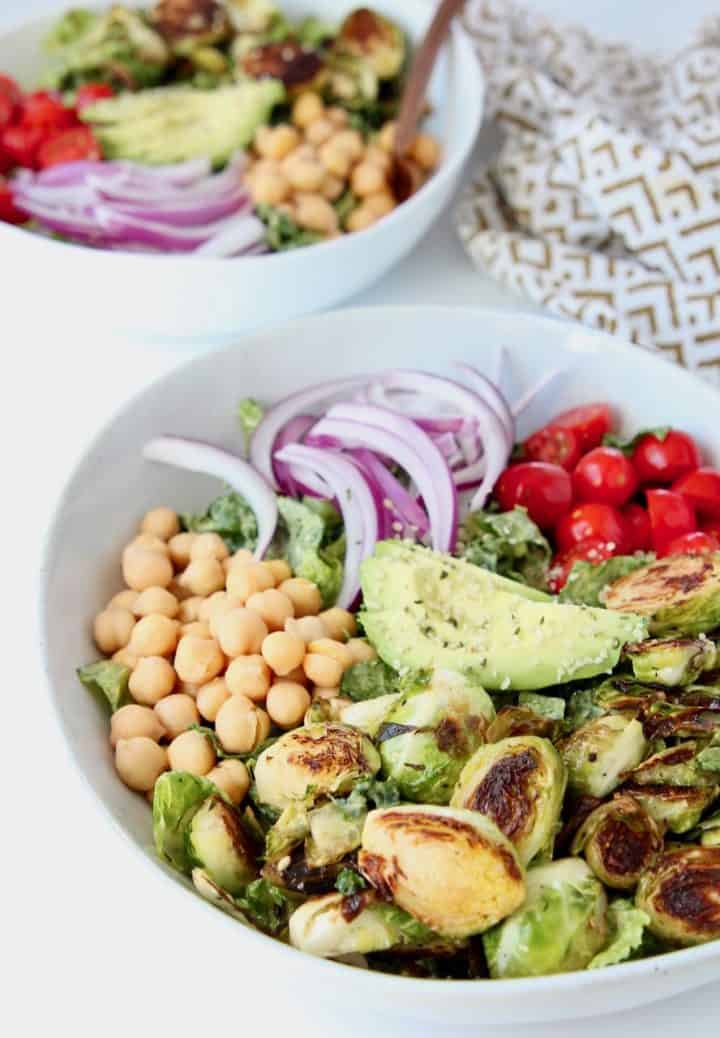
[369, 714]
[671, 661]
[374, 40]
[320, 759]
[451, 869]
[519, 783]
[177, 796]
[598, 753]
[520, 720]
[299, 68]
[672, 787]
[187, 25]
[680, 594]
[615, 695]
[681, 895]
[559, 928]
[619, 841]
[334, 832]
[219, 845]
[710, 831]
[429, 735]
[351, 82]
[696, 713]
[626, 933]
[253, 16]
[212, 892]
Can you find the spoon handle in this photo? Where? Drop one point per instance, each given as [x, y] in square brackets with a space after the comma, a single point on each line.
[414, 93]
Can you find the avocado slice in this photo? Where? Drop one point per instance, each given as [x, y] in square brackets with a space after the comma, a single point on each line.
[176, 123]
[423, 610]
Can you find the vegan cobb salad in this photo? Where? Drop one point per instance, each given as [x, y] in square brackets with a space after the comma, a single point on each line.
[418, 698]
[210, 127]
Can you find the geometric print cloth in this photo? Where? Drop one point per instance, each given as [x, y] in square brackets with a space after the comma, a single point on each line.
[603, 200]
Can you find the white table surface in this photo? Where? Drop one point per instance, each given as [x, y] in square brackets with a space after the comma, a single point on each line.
[94, 940]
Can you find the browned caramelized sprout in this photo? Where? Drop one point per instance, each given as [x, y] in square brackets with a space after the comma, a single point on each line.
[367, 35]
[188, 24]
[681, 895]
[298, 67]
[619, 840]
[679, 594]
[672, 786]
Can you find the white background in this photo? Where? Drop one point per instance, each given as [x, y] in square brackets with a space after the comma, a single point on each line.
[92, 940]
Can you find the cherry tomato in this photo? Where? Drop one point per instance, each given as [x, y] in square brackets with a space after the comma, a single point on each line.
[695, 543]
[9, 213]
[671, 516]
[711, 526]
[554, 445]
[10, 89]
[592, 550]
[544, 490]
[664, 461]
[702, 489]
[89, 93]
[596, 521]
[7, 110]
[68, 146]
[47, 112]
[589, 423]
[20, 144]
[637, 528]
[604, 474]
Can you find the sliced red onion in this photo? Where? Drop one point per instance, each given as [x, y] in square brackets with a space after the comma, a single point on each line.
[243, 232]
[535, 391]
[362, 425]
[397, 502]
[490, 393]
[355, 500]
[195, 456]
[292, 432]
[263, 442]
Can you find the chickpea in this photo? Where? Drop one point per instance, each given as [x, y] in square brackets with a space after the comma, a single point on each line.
[177, 713]
[297, 675]
[304, 596]
[231, 778]
[199, 628]
[283, 652]
[280, 569]
[241, 631]
[193, 752]
[152, 679]
[264, 725]
[156, 600]
[367, 179]
[351, 142]
[332, 187]
[211, 604]
[334, 649]
[203, 576]
[143, 568]
[305, 175]
[335, 159]
[241, 558]
[322, 670]
[124, 600]
[339, 622]
[189, 610]
[275, 142]
[269, 187]
[131, 721]
[380, 204]
[319, 131]
[162, 522]
[273, 606]
[187, 688]
[361, 650]
[426, 151]
[208, 546]
[316, 213]
[140, 762]
[237, 725]
[287, 703]
[309, 628]
[151, 542]
[177, 589]
[361, 218]
[386, 137]
[325, 693]
[248, 676]
[154, 635]
[375, 155]
[113, 629]
[306, 109]
[337, 116]
[180, 546]
[244, 580]
[128, 659]
[211, 697]
[198, 660]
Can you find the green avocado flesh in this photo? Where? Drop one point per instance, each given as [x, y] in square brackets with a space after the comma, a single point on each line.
[423, 609]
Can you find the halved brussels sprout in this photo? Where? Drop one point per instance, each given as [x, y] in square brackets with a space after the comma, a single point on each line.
[681, 895]
[519, 783]
[598, 753]
[212, 892]
[520, 720]
[251, 15]
[189, 24]
[220, 846]
[451, 869]
[369, 714]
[680, 594]
[429, 735]
[351, 81]
[671, 661]
[619, 841]
[333, 834]
[288, 831]
[309, 762]
[559, 928]
[672, 787]
[626, 931]
[710, 830]
[177, 796]
[375, 40]
[614, 695]
[695, 713]
[298, 68]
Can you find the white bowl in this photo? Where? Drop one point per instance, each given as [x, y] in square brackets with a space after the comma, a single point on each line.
[112, 487]
[181, 297]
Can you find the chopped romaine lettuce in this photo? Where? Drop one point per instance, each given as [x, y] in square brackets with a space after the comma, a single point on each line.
[368, 680]
[281, 231]
[250, 414]
[107, 679]
[508, 543]
[230, 516]
[588, 580]
[315, 545]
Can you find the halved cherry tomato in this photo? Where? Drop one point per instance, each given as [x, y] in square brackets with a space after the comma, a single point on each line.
[10, 89]
[7, 110]
[555, 445]
[637, 528]
[659, 461]
[702, 489]
[89, 93]
[9, 212]
[711, 526]
[589, 423]
[68, 146]
[591, 521]
[46, 111]
[671, 516]
[592, 550]
[20, 144]
[695, 543]
[544, 490]
[604, 474]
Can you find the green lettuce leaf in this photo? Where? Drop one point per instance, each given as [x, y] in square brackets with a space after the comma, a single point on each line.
[626, 926]
[508, 543]
[265, 905]
[281, 231]
[368, 680]
[250, 414]
[314, 543]
[107, 679]
[349, 882]
[588, 580]
[231, 517]
[628, 445]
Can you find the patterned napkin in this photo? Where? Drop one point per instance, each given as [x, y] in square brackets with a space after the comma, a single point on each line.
[603, 202]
